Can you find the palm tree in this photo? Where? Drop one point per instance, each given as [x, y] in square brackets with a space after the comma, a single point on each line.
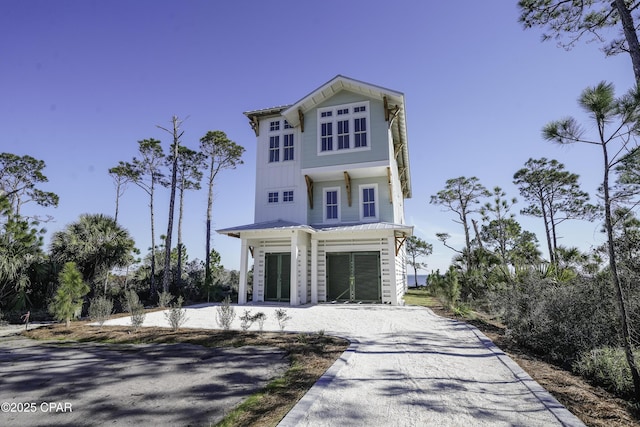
[96, 243]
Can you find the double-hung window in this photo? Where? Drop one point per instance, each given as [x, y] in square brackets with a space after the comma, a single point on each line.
[280, 131]
[331, 204]
[288, 146]
[343, 128]
[326, 131]
[368, 202]
[274, 148]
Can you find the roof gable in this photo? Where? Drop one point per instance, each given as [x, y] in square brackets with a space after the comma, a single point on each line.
[334, 86]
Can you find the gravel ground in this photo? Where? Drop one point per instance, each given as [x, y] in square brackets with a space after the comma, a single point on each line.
[405, 367]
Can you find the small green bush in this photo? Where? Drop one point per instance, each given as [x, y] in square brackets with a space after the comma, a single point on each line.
[282, 318]
[226, 314]
[260, 317]
[176, 316]
[67, 302]
[135, 307]
[164, 299]
[100, 309]
[607, 367]
[246, 320]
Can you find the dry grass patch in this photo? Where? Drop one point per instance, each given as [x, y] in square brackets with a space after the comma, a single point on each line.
[310, 356]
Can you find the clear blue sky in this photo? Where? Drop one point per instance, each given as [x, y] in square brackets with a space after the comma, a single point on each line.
[82, 81]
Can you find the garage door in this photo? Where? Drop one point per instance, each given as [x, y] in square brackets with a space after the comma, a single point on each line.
[277, 277]
[353, 276]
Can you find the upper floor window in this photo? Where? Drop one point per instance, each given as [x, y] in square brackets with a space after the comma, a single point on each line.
[346, 125]
[278, 129]
[368, 202]
[274, 148]
[288, 146]
[273, 197]
[331, 204]
[287, 196]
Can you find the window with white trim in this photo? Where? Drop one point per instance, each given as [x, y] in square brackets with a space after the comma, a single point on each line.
[331, 204]
[368, 202]
[274, 148]
[273, 197]
[287, 196]
[346, 125]
[275, 135]
[287, 146]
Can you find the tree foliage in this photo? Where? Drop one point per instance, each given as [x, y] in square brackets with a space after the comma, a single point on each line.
[146, 173]
[617, 123]
[416, 249]
[221, 153]
[19, 176]
[462, 196]
[569, 21]
[554, 195]
[96, 244]
[20, 251]
[67, 302]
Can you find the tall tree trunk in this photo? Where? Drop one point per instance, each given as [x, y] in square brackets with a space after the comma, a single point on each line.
[117, 200]
[467, 238]
[179, 246]
[630, 35]
[615, 279]
[547, 220]
[154, 290]
[207, 267]
[166, 277]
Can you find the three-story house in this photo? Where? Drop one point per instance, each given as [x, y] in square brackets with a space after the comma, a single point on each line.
[332, 173]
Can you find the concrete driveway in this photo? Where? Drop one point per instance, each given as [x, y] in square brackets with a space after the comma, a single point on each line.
[405, 367]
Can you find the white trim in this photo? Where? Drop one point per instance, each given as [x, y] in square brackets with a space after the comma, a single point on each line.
[376, 205]
[324, 204]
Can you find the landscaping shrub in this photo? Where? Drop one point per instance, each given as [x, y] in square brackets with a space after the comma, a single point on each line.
[164, 299]
[100, 309]
[68, 299]
[176, 316]
[260, 317]
[560, 320]
[282, 318]
[135, 307]
[607, 367]
[226, 314]
[246, 320]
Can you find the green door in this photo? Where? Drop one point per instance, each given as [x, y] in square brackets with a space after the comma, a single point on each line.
[277, 277]
[353, 276]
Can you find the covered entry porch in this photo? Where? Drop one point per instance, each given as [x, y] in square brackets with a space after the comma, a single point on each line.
[300, 264]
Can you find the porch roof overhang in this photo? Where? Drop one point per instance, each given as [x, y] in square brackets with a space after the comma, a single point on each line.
[280, 225]
[262, 227]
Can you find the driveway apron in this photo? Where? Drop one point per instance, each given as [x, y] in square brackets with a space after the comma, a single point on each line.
[409, 367]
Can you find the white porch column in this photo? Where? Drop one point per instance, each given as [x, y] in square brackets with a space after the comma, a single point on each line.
[391, 245]
[314, 271]
[293, 294]
[244, 257]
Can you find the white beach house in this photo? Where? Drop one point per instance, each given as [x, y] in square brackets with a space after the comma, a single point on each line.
[332, 173]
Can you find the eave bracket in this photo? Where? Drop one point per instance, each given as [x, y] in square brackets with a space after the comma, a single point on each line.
[309, 181]
[347, 184]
